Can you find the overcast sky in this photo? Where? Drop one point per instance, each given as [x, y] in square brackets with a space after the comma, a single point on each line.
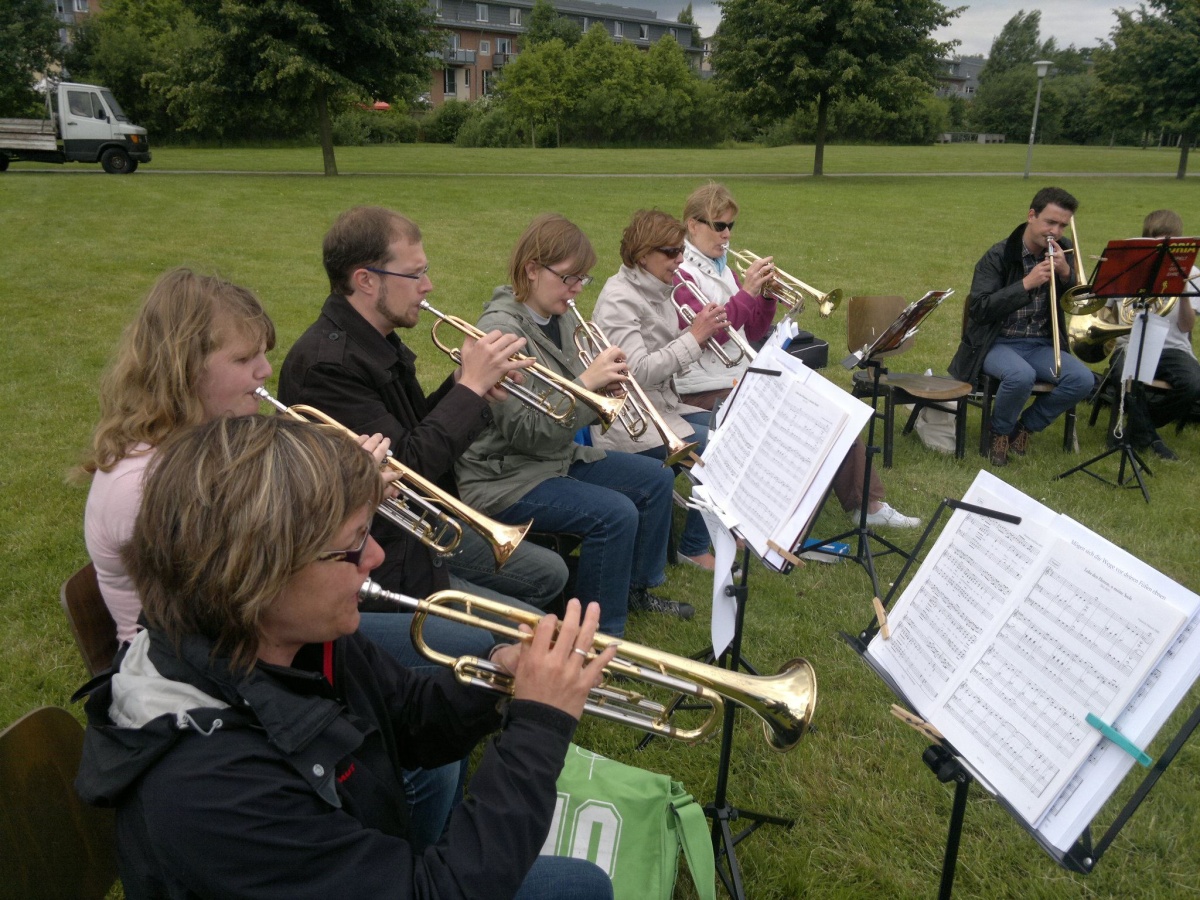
[1083, 23]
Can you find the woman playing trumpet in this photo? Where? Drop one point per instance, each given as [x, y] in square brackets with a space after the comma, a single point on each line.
[635, 312]
[526, 465]
[253, 743]
[710, 214]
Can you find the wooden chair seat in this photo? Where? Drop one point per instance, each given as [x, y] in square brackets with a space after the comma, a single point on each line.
[1107, 395]
[987, 396]
[91, 623]
[866, 319]
[52, 845]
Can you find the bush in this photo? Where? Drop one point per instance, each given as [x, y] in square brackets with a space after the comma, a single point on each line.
[441, 125]
[359, 127]
[489, 125]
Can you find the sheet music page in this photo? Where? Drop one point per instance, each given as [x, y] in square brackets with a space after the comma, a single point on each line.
[1015, 636]
[770, 447]
[1177, 670]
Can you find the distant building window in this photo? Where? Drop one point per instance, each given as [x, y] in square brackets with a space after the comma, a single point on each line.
[504, 45]
[487, 81]
[616, 29]
[61, 6]
[485, 47]
[585, 23]
[968, 90]
[437, 7]
[466, 78]
[481, 14]
[644, 32]
[452, 41]
[674, 33]
[81, 5]
[449, 87]
[514, 16]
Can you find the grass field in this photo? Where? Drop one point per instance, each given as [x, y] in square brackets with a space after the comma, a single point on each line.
[79, 253]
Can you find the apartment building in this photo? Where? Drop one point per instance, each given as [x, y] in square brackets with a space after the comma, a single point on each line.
[481, 38]
[960, 77]
[71, 13]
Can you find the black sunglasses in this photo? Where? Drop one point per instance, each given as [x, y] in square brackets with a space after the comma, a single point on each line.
[354, 557]
[672, 252]
[718, 226]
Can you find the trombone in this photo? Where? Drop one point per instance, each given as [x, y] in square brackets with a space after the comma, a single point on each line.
[558, 396]
[785, 701]
[788, 289]
[423, 509]
[743, 349]
[590, 342]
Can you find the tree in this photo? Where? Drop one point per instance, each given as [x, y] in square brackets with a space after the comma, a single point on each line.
[533, 87]
[686, 17]
[777, 56]
[1017, 46]
[1149, 72]
[29, 48]
[545, 24]
[313, 54]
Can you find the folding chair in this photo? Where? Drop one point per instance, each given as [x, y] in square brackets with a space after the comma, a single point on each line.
[92, 625]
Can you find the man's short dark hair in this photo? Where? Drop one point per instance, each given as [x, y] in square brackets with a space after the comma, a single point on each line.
[361, 237]
[1057, 196]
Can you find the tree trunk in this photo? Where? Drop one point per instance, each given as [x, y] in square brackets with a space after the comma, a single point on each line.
[326, 132]
[822, 123]
[1184, 146]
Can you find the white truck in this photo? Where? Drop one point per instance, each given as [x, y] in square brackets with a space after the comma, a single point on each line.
[84, 123]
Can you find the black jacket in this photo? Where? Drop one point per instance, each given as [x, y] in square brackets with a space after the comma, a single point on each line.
[342, 366]
[281, 783]
[996, 291]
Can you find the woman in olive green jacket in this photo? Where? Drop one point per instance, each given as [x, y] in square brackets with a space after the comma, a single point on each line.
[527, 466]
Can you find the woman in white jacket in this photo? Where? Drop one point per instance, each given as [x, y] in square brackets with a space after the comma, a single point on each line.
[635, 313]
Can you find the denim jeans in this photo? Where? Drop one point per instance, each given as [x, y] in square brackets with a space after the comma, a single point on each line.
[533, 575]
[564, 878]
[621, 507]
[1018, 363]
[694, 540]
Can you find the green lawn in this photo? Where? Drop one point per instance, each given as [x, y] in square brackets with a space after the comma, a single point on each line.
[79, 253]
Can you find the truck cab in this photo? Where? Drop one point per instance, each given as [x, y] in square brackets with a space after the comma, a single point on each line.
[85, 124]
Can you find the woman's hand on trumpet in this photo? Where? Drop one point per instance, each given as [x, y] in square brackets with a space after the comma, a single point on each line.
[488, 361]
[378, 446]
[554, 665]
[709, 321]
[607, 371]
[758, 276]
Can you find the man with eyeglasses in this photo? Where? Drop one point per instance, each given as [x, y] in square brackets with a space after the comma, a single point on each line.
[352, 365]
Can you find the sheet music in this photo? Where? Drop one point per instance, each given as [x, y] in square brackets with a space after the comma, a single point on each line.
[1010, 635]
[773, 446]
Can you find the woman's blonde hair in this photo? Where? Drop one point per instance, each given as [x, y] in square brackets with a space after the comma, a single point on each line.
[150, 389]
[549, 239]
[708, 202]
[648, 230]
[232, 511]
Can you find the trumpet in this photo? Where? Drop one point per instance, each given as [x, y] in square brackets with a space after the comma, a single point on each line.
[590, 342]
[788, 289]
[784, 701]
[423, 509]
[558, 396]
[742, 349]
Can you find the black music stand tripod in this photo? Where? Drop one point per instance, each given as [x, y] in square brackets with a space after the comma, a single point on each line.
[903, 329]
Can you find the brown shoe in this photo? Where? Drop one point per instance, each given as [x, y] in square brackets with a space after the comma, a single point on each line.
[1019, 443]
[999, 452]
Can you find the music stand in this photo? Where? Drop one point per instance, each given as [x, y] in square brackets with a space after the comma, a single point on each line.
[1145, 269]
[870, 358]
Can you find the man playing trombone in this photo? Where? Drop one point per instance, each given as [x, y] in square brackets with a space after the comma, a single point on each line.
[352, 365]
[1008, 326]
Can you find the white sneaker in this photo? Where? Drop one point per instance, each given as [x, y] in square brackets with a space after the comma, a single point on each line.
[892, 518]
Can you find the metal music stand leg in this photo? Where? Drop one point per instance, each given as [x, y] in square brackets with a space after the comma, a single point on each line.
[947, 768]
[863, 554]
[722, 814]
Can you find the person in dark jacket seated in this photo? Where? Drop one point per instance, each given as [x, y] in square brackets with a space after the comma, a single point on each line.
[252, 741]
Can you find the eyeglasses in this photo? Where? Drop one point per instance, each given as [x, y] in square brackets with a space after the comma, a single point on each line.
[416, 276]
[570, 280]
[672, 252]
[718, 226]
[354, 557]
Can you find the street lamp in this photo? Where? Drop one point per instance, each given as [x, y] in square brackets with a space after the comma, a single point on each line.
[1043, 66]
